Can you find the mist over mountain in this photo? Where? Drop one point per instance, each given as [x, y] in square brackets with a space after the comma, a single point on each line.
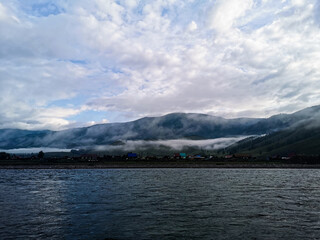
[301, 137]
[169, 127]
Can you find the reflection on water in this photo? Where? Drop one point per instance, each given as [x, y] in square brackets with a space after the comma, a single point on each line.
[160, 204]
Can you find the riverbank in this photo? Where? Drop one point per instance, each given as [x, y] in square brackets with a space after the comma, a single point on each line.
[129, 165]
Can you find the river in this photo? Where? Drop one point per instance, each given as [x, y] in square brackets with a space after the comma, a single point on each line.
[160, 204]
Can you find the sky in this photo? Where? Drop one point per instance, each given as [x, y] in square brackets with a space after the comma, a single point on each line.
[66, 64]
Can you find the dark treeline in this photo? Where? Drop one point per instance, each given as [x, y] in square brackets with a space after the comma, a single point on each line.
[41, 158]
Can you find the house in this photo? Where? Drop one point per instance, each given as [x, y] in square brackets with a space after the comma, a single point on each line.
[198, 157]
[132, 155]
[89, 157]
[242, 156]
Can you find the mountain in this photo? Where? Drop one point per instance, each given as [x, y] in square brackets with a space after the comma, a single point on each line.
[16, 138]
[171, 126]
[303, 138]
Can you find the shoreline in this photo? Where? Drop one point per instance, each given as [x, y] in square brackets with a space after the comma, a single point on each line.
[152, 165]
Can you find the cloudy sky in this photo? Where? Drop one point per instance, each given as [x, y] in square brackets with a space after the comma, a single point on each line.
[68, 63]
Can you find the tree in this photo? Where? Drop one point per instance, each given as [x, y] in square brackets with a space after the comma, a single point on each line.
[40, 154]
[4, 156]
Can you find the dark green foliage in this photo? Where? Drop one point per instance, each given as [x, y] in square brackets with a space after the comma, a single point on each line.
[302, 139]
[40, 154]
[4, 156]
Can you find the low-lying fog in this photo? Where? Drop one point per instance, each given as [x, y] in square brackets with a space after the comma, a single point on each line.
[132, 145]
[177, 144]
[33, 150]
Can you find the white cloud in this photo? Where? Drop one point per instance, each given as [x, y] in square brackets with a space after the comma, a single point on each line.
[225, 13]
[297, 2]
[2, 12]
[91, 123]
[230, 58]
[192, 26]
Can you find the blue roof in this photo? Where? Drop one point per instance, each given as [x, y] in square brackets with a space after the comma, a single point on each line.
[132, 155]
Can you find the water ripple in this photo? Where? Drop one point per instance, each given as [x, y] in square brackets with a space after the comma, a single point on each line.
[160, 204]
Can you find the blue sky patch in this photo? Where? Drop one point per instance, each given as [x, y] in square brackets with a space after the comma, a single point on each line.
[46, 9]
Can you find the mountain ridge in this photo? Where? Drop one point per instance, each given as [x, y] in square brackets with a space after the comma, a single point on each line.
[169, 126]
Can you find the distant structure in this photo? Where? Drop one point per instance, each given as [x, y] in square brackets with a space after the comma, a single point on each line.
[132, 155]
[89, 157]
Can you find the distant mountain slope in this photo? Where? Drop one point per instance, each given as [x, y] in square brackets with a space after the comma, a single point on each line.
[16, 138]
[171, 126]
[303, 138]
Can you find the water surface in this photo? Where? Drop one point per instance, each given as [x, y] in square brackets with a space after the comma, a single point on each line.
[160, 204]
